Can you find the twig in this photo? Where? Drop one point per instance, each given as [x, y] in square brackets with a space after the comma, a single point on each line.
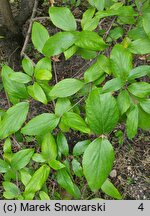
[29, 29]
[108, 30]
[55, 72]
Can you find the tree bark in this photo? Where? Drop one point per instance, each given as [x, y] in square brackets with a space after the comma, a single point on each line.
[7, 17]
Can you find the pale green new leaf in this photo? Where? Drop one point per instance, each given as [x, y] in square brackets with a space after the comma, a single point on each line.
[132, 122]
[97, 162]
[21, 158]
[49, 147]
[56, 165]
[102, 112]
[36, 182]
[27, 66]
[36, 92]
[62, 18]
[39, 36]
[66, 88]
[43, 69]
[44, 196]
[109, 189]
[25, 176]
[4, 166]
[41, 124]
[11, 190]
[13, 119]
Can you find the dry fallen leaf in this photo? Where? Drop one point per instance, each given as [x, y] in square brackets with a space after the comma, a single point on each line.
[56, 58]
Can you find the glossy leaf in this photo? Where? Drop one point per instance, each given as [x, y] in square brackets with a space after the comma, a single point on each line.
[140, 46]
[21, 158]
[36, 92]
[41, 124]
[145, 104]
[62, 18]
[58, 43]
[20, 77]
[139, 72]
[121, 60]
[27, 66]
[91, 41]
[66, 88]
[113, 85]
[97, 162]
[132, 122]
[39, 36]
[140, 89]
[74, 121]
[56, 165]
[70, 52]
[102, 112]
[13, 119]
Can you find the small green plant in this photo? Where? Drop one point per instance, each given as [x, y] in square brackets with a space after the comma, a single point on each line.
[110, 91]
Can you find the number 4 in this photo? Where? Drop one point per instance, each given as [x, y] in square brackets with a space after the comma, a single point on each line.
[141, 207]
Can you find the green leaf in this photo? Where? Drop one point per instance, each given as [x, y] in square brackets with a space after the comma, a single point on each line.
[36, 182]
[39, 36]
[36, 92]
[13, 119]
[66, 88]
[97, 162]
[14, 89]
[65, 182]
[11, 190]
[124, 101]
[62, 18]
[70, 52]
[77, 169]
[44, 196]
[90, 40]
[62, 106]
[80, 147]
[113, 85]
[109, 189]
[102, 112]
[139, 72]
[43, 69]
[93, 72]
[146, 23]
[121, 60]
[21, 158]
[20, 77]
[4, 166]
[115, 34]
[49, 147]
[88, 22]
[58, 43]
[145, 104]
[74, 121]
[140, 46]
[140, 89]
[27, 66]
[98, 4]
[56, 165]
[25, 176]
[104, 63]
[62, 144]
[144, 120]
[132, 122]
[41, 124]
[7, 148]
[39, 158]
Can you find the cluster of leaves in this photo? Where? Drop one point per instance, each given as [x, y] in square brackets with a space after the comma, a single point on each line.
[110, 91]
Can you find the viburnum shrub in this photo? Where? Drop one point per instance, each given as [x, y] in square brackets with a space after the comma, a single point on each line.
[109, 93]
